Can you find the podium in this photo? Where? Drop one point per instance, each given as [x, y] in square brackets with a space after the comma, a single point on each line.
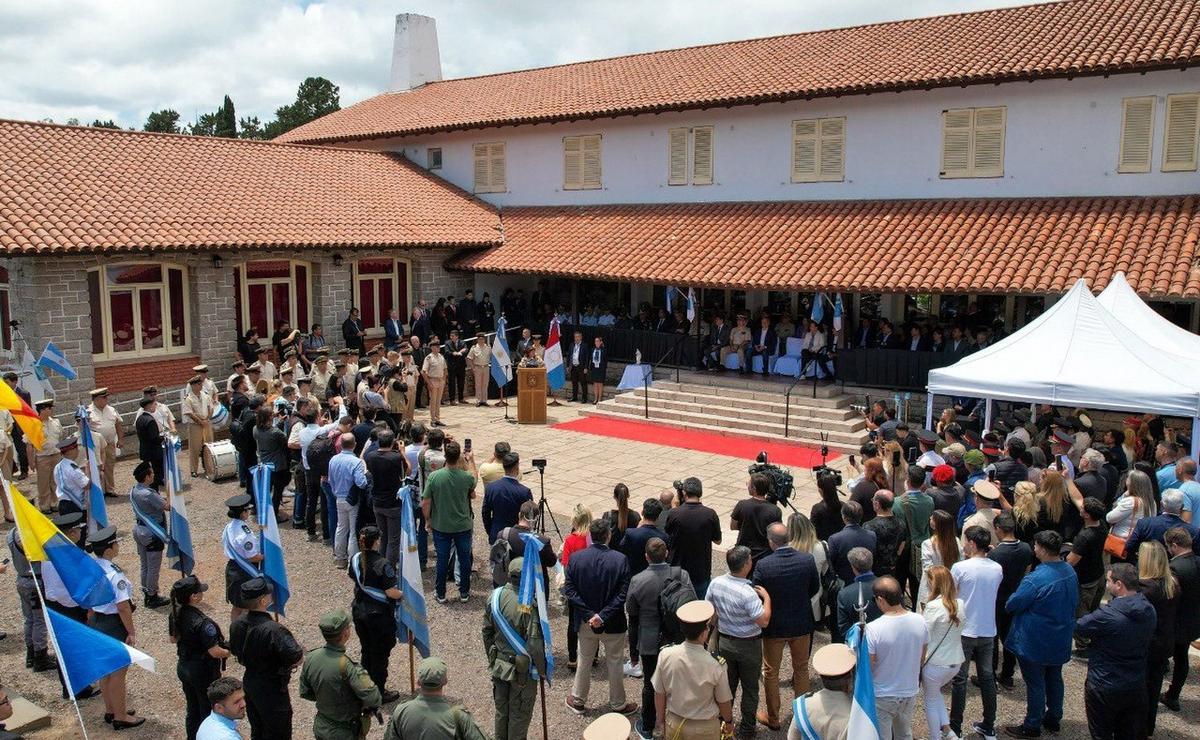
[531, 395]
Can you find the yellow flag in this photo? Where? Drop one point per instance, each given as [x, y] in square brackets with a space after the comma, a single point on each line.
[25, 417]
[35, 528]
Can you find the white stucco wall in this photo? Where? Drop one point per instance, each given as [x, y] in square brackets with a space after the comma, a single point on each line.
[1062, 138]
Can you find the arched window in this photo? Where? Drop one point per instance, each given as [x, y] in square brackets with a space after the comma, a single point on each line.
[381, 284]
[138, 309]
[270, 292]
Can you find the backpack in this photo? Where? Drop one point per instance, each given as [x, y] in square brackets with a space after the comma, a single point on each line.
[320, 452]
[831, 585]
[674, 594]
[499, 557]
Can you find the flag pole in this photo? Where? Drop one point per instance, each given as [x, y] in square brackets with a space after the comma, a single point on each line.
[542, 692]
[58, 656]
[412, 668]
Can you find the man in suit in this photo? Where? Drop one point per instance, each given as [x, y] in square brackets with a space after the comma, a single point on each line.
[502, 498]
[764, 344]
[917, 341]
[665, 323]
[886, 338]
[419, 322]
[865, 336]
[577, 359]
[718, 338]
[352, 332]
[860, 591]
[1185, 564]
[958, 346]
[456, 361]
[468, 319]
[393, 330]
[419, 354]
[852, 535]
[525, 342]
[150, 438]
[1154, 528]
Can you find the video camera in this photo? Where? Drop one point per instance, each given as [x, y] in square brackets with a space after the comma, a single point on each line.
[826, 473]
[781, 480]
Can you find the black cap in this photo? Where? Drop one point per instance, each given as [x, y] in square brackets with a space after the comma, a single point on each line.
[10, 375]
[187, 586]
[926, 436]
[68, 521]
[45, 403]
[100, 540]
[237, 504]
[255, 588]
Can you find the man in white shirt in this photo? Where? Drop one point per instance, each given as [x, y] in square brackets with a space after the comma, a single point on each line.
[239, 368]
[813, 348]
[208, 387]
[978, 579]
[897, 641]
[105, 422]
[266, 368]
[929, 459]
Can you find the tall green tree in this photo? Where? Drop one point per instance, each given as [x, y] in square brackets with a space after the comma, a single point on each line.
[226, 124]
[315, 97]
[251, 128]
[165, 121]
[205, 125]
[110, 123]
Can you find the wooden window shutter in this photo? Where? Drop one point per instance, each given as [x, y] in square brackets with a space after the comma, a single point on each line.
[956, 142]
[832, 150]
[482, 167]
[591, 177]
[804, 151]
[987, 146]
[1182, 130]
[1137, 135]
[702, 155]
[572, 163]
[677, 150]
[498, 177]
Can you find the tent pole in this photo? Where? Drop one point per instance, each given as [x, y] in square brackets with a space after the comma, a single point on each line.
[987, 414]
[929, 411]
[1196, 437]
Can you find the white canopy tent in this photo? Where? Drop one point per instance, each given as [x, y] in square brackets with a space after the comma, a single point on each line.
[1120, 300]
[1075, 354]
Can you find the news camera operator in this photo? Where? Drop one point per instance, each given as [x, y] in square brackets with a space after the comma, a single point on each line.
[752, 516]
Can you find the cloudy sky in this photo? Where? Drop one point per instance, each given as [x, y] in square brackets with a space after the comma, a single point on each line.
[120, 59]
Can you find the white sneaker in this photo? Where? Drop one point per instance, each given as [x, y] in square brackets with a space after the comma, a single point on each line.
[949, 735]
[633, 671]
[977, 727]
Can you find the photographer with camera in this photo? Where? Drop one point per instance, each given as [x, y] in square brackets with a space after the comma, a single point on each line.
[693, 528]
[752, 516]
[826, 514]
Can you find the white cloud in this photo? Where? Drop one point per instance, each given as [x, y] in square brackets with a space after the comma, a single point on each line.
[121, 60]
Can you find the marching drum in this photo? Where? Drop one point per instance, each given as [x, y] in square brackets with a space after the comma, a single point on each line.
[220, 460]
[220, 416]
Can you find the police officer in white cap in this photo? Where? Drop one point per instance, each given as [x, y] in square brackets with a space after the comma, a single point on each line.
[825, 714]
[691, 689]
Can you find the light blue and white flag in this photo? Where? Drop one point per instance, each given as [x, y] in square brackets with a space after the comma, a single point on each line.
[176, 444]
[274, 569]
[671, 291]
[96, 510]
[532, 587]
[87, 655]
[411, 617]
[818, 308]
[501, 360]
[179, 542]
[864, 725]
[53, 359]
[837, 313]
[556, 374]
[691, 305]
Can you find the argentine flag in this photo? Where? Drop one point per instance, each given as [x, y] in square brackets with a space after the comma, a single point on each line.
[531, 589]
[691, 305]
[179, 546]
[87, 655]
[818, 308]
[863, 723]
[671, 291]
[837, 313]
[555, 374]
[273, 567]
[53, 359]
[501, 361]
[411, 617]
[97, 512]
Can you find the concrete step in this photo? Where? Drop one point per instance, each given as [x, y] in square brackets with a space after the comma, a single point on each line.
[717, 400]
[798, 428]
[805, 416]
[827, 396]
[715, 425]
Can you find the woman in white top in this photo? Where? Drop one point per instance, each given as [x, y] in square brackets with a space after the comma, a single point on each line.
[802, 536]
[940, 549]
[1136, 502]
[944, 621]
[114, 619]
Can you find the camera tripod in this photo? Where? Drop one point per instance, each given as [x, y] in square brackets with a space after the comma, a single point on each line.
[544, 511]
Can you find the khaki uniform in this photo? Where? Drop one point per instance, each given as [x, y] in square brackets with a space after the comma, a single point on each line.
[320, 381]
[694, 683]
[480, 361]
[828, 712]
[104, 426]
[739, 337]
[209, 388]
[513, 691]
[200, 406]
[165, 418]
[412, 375]
[342, 690]
[434, 369]
[431, 718]
[267, 371]
[46, 458]
[6, 446]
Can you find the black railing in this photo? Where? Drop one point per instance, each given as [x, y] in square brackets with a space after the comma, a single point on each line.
[623, 344]
[649, 374]
[897, 369]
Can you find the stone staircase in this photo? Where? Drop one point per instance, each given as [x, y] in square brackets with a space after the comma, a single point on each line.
[744, 408]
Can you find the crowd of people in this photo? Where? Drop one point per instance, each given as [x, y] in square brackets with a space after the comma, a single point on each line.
[1012, 547]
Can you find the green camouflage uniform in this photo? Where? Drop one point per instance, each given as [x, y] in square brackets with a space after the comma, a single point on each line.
[513, 691]
[431, 718]
[342, 690]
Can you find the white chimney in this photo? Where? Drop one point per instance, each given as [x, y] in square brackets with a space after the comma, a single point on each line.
[415, 57]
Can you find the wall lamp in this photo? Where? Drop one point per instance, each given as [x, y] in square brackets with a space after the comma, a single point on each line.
[217, 262]
[338, 261]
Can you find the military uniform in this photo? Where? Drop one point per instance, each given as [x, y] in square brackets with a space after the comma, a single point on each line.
[70, 482]
[374, 620]
[106, 618]
[693, 681]
[340, 687]
[195, 633]
[31, 607]
[739, 341]
[240, 545]
[46, 458]
[104, 423]
[825, 713]
[197, 405]
[480, 359]
[434, 369]
[430, 716]
[150, 513]
[513, 688]
[269, 652]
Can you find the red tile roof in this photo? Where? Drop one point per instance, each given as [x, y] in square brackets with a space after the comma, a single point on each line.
[911, 246]
[1063, 39]
[72, 188]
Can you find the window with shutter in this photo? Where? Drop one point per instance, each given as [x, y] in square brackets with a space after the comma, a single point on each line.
[702, 155]
[1182, 132]
[581, 162]
[677, 165]
[818, 150]
[490, 168]
[1137, 135]
[973, 142]
[482, 163]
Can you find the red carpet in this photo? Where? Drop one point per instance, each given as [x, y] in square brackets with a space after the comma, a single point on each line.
[780, 453]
